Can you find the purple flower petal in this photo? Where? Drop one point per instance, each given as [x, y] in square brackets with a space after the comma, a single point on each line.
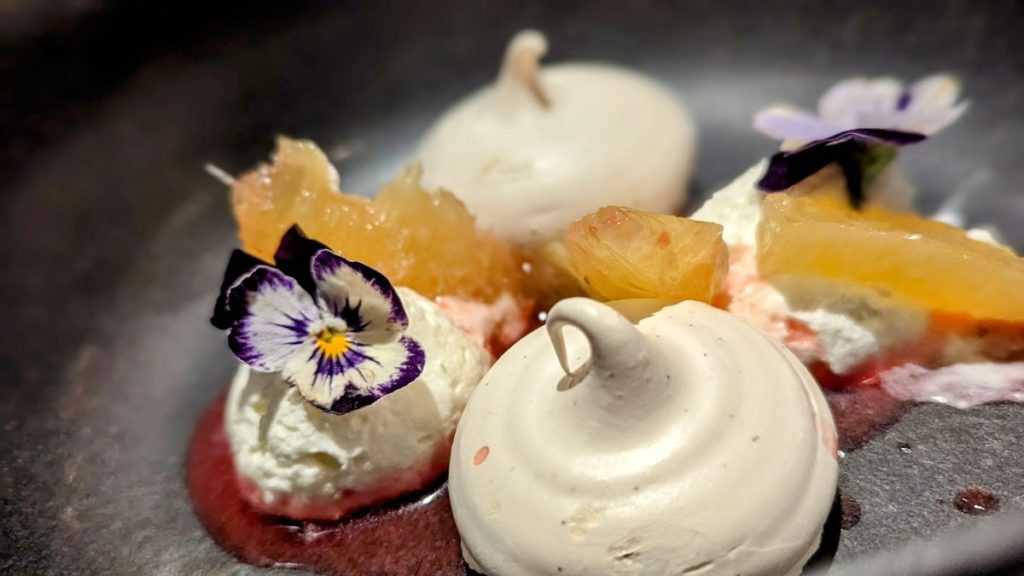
[861, 103]
[332, 327]
[358, 294]
[275, 318]
[239, 264]
[294, 257]
[926, 107]
[786, 169]
[356, 377]
[783, 123]
[905, 99]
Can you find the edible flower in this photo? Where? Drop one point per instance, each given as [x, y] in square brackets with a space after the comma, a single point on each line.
[334, 328]
[859, 125]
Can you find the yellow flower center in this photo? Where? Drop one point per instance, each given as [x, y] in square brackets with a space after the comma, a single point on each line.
[332, 343]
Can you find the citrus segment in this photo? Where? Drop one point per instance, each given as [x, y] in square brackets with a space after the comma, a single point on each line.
[619, 253]
[930, 263]
[426, 241]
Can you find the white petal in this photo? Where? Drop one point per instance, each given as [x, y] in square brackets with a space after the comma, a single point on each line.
[930, 122]
[933, 93]
[357, 294]
[861, 103]
[275, 317]
[933, 104]
[363, 374]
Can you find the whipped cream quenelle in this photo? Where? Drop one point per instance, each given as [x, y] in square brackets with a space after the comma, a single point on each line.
[542, 147]
[689, 441]
[296, 460]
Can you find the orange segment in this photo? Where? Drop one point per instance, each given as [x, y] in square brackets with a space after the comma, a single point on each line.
[299, 186]
[426, 241]
[930, 263]
[619, 253]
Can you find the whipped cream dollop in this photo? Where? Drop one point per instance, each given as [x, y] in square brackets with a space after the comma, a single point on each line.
[296, 460]
[687, 442]
[542, 147]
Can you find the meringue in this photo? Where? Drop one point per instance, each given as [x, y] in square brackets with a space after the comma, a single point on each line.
[296, 460]
[689, 441]
[540, 148]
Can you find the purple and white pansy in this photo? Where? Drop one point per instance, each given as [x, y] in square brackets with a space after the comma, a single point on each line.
[925, 107]
[334, 328]
[859, 125]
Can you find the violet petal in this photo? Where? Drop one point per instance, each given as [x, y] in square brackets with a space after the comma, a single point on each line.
[880, 136]
[239, 264]
[905, 99]
[786, 169]
[358, 294]
[357, 377]
[275, 317]
[783, 123]
[294, 256]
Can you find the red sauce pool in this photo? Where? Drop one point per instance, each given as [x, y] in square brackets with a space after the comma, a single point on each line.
[416, 536]
[861, 414]
[413, 537]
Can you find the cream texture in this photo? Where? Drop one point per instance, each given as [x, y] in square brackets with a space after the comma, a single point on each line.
[494, 325]
[688, 443]
[287, 447]
[851, 324]
[959, 385]
[737, 207]
[542, 147]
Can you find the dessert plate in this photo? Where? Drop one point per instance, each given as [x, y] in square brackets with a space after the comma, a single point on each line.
[116, 240]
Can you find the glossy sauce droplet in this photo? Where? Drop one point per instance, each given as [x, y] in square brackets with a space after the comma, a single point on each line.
[851, 512]
[481, 455]
[976, 501]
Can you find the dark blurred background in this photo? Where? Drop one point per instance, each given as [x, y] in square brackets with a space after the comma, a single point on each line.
[61, 58]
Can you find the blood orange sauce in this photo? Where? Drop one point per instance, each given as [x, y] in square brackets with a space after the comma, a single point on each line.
[861, 414]
[413, 536]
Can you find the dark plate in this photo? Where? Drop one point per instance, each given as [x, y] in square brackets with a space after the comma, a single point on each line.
[115, 237]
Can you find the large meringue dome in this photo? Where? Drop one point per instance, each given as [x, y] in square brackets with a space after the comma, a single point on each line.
[687, 442]
[542, 147]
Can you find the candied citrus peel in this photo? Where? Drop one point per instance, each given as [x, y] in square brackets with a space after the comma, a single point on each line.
[427, 241]
[619, 253]
[929, 263]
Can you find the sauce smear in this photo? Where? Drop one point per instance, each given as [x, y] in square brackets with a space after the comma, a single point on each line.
[862, 413]
[415, 536]
[418, 535]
